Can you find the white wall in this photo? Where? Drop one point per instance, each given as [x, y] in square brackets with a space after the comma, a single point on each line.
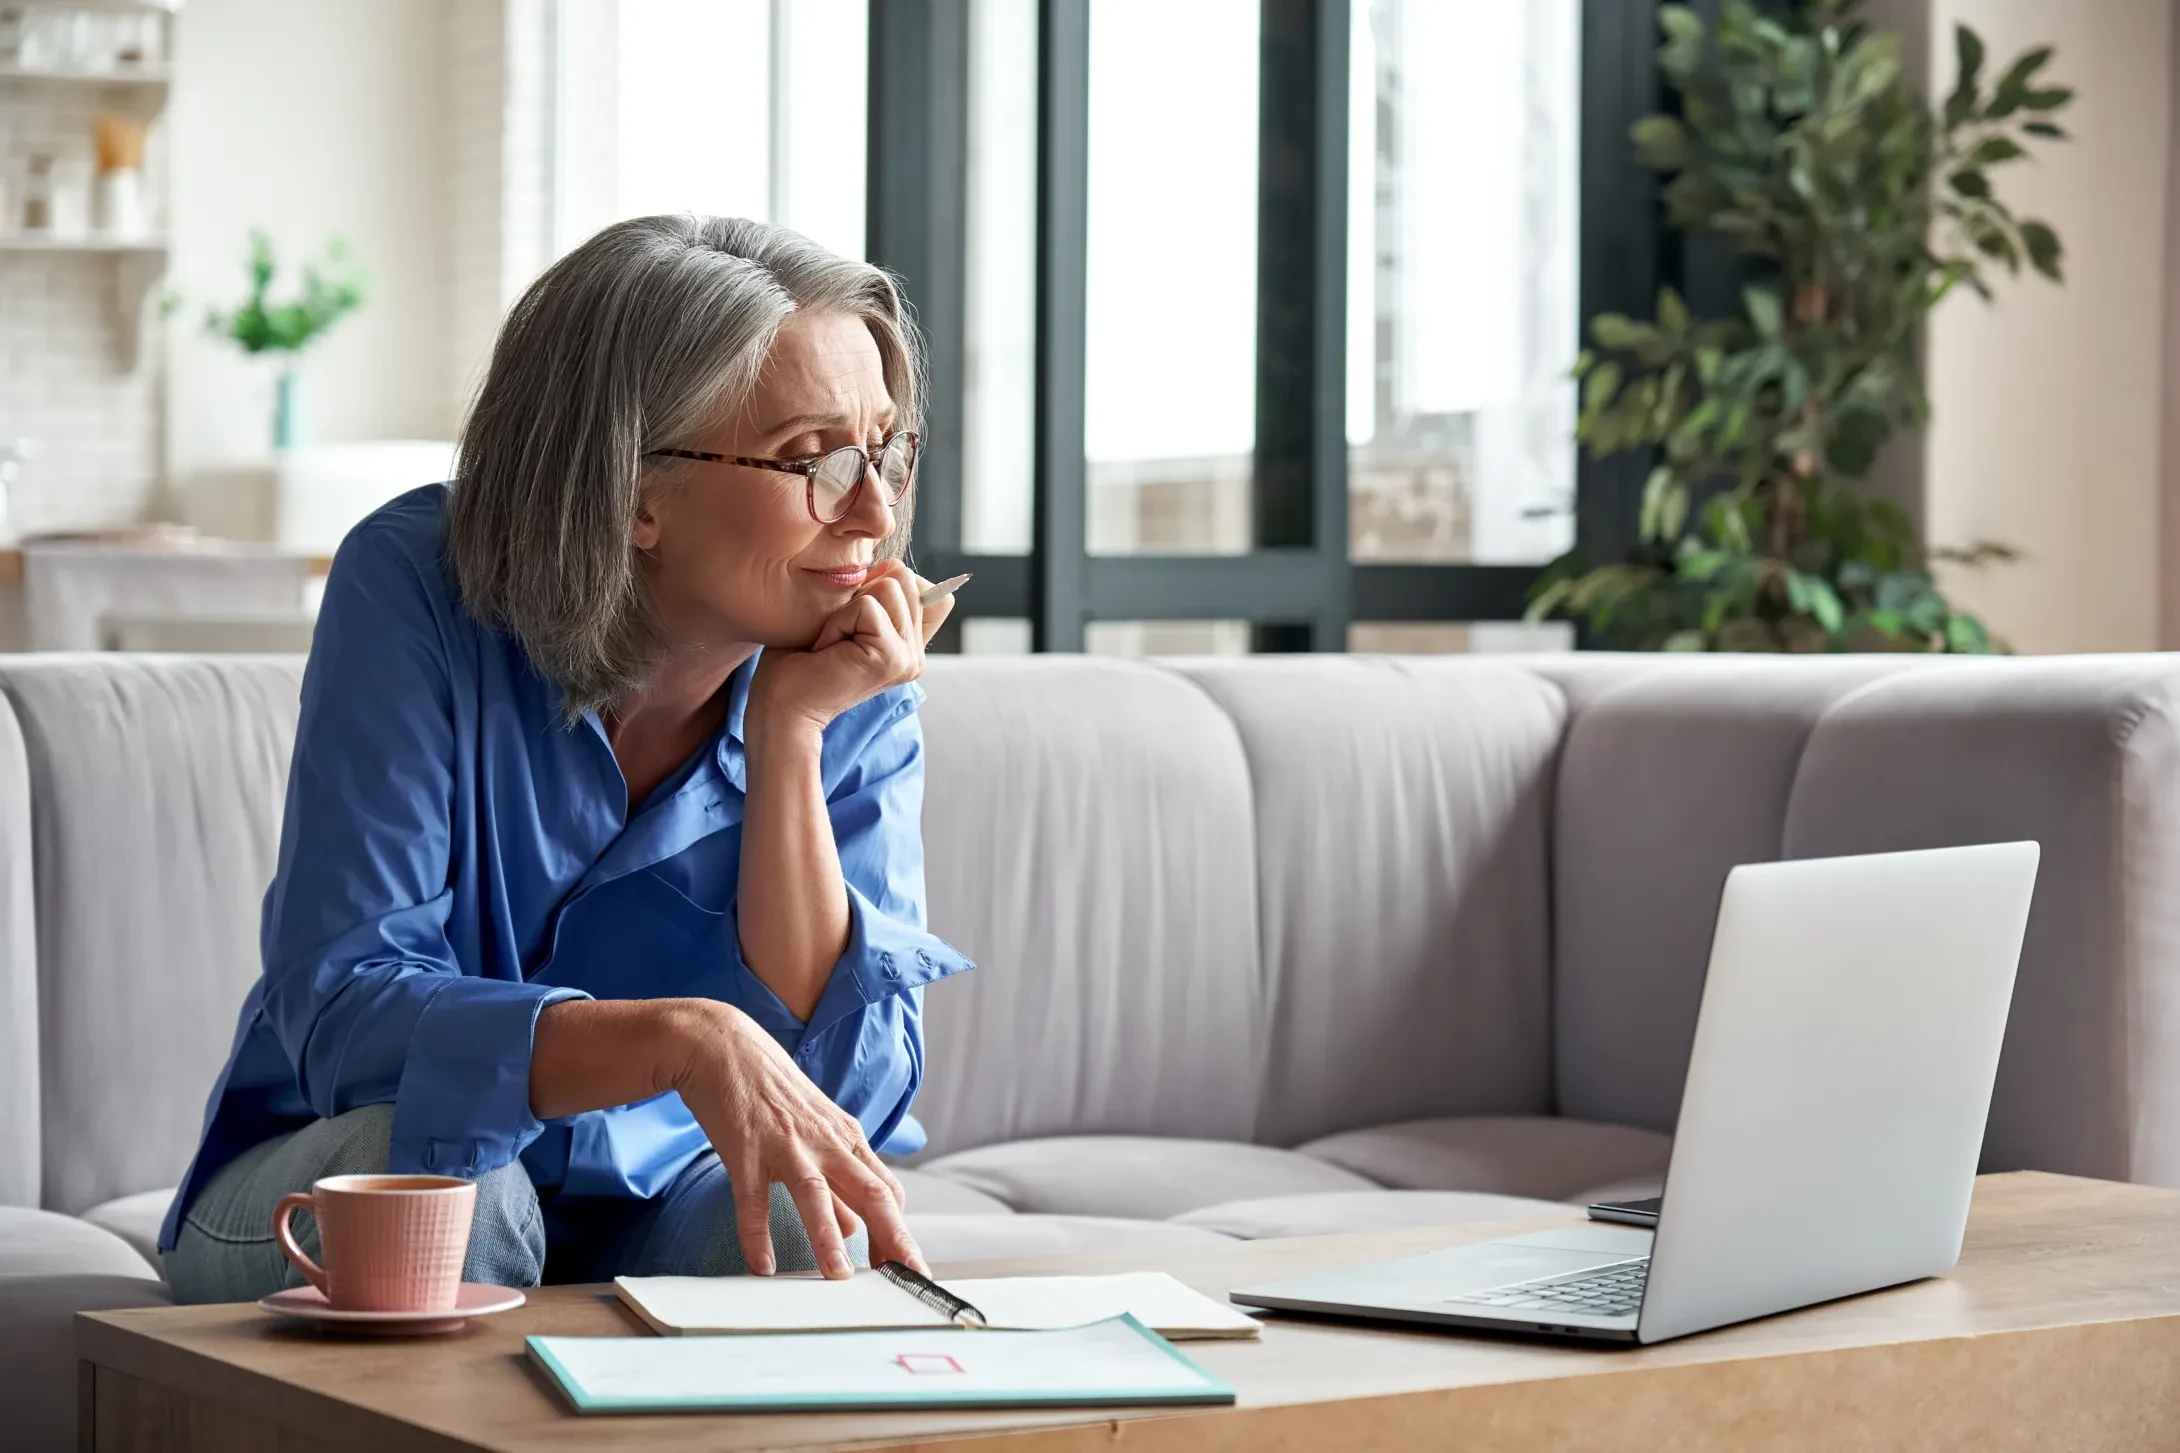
[2047, 424]
[306, 118]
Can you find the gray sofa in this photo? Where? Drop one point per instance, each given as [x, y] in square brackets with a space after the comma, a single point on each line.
[1268, 947]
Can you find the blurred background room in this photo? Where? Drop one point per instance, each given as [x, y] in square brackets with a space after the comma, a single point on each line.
[1254, 322]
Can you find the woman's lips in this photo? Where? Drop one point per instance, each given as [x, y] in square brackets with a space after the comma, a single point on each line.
[848, 577]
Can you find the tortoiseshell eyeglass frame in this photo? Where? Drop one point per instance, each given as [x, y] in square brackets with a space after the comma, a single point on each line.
[810, 466]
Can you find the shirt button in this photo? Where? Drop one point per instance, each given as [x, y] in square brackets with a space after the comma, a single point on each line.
[890, 969]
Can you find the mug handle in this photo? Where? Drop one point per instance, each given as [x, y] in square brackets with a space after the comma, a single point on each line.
[283, 1213]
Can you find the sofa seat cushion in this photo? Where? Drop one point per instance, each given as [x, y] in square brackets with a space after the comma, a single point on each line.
[943, 1237]
[135, 1219]
[1334, 1213]
[1543, 1156]
[927, 1192]
[1142, 1177]
[46, 1243]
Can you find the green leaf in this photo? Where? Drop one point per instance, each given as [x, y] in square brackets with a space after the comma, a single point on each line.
[1993, 150]
[1672, 312]
[1968, 54]
[1662, 143]
[1682, 52]
[2023, 70]
[1599, 388]
[1685, 641]
[1764, 310]
[2044, 129]
[2049, 100]
[1971, 184]
[1620, 332]
[1825, 606]
[2043, 248]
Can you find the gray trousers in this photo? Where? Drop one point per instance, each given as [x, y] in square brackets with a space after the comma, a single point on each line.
[225, 1252]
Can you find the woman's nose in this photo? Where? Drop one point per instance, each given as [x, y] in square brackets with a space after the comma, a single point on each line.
[868, 513]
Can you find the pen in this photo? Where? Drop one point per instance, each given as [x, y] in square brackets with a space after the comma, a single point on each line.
[943, 589]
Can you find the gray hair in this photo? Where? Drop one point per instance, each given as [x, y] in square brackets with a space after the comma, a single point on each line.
[634, 341]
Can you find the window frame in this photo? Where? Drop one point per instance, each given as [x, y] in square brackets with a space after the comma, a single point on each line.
[1296, 586]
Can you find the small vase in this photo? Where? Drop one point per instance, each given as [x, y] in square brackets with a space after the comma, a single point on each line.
[288, 430]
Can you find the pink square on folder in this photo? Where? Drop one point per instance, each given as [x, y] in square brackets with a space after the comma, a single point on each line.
[928, 1362]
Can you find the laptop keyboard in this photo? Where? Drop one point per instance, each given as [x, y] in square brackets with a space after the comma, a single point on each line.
[1604, 1291]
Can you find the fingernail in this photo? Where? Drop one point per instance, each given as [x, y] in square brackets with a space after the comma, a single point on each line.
[839, 1267]
[762, 1265]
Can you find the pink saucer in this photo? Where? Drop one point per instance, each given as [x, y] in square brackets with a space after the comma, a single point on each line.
[474, 1300]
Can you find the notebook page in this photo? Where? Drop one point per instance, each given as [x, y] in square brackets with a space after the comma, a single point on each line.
[694, 1304]
[1163, 1303]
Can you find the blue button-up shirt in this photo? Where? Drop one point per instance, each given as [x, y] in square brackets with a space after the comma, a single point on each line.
[456, 855]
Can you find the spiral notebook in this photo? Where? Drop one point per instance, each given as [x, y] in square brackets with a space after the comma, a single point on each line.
[894, 1297]
[1116, 1363]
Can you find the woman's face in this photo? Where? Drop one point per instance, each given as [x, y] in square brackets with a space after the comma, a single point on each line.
[732, 553]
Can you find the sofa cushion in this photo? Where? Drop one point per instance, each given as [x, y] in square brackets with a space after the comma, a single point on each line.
[944, 1237]
[927, 1192]
[1334, 1213]
[156, 820]
[1540, 1156]
[46, 1243]
[1403, 812]
[135, 1219]
[2081, 756]
[1137, 1176]
[1666, 782]
[38, 1377]
[1089, 843]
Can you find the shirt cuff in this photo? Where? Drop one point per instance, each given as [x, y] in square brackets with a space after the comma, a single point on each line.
[884, 957]
[463, 1104]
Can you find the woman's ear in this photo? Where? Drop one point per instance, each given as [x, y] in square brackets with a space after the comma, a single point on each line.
[644, 534]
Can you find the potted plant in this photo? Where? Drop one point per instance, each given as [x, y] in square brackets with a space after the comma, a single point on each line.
[1857, 207]
[332, 289]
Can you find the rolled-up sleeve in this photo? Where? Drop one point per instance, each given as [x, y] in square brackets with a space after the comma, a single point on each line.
[361, 986]
[863, 1043]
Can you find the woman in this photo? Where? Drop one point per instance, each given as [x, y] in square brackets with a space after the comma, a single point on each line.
[601, 881]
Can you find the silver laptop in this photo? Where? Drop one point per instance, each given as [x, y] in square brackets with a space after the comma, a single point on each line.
[1829, 1129]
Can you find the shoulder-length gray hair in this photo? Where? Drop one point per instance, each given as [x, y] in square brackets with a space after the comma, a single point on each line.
[634, 341]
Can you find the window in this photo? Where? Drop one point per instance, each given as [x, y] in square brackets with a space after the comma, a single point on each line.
[745, 108]
[1463, 159]
[1250, 321]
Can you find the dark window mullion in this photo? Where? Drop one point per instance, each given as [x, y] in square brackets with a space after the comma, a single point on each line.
[1058, 561]
[917, 228]
[1301, 393]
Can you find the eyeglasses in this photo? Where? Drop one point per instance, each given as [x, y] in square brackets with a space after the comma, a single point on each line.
[834, 478]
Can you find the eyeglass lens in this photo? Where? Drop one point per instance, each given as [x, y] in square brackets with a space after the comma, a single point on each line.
[842, 470]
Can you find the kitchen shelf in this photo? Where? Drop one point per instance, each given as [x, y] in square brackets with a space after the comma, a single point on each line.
[130, 76]
[45, 242]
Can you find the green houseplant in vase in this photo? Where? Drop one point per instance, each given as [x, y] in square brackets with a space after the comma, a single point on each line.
[1857, 206]
[331, 290]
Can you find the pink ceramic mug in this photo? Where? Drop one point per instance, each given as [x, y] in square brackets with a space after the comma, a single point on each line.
[391, 1243]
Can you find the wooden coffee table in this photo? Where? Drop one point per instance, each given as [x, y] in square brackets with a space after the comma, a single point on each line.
[2059, 1330]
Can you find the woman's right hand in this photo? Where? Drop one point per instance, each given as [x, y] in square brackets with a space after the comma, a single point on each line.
[768, 1123]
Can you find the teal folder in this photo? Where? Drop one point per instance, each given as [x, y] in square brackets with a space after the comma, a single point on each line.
[1117, 1363]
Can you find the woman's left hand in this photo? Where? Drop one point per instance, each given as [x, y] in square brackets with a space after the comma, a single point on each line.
[873, 642]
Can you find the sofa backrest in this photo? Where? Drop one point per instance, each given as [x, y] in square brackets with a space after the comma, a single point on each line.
[1090, 844]
[20, 1176]
[155, 816]
[1403, 827]
[1672, 773]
